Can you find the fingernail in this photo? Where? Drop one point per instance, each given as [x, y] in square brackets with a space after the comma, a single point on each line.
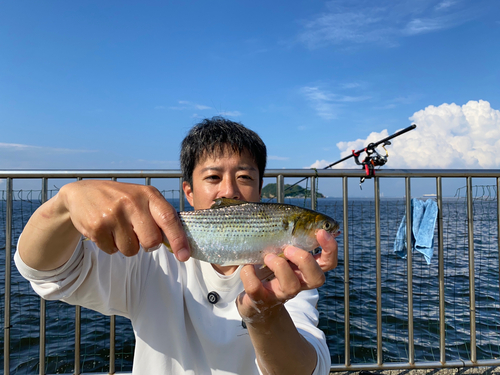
[154, 248]
[183, 255]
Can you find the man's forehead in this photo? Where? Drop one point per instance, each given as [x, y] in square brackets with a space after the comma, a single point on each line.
[217, 167]
[214, 160]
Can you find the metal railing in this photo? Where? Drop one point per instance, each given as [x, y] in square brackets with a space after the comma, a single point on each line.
[315, 175]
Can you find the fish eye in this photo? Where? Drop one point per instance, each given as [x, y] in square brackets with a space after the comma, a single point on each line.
[327, 226]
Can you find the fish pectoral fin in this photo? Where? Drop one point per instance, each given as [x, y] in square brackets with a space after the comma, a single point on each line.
[166, 243]
[281, 255]
[226, 202]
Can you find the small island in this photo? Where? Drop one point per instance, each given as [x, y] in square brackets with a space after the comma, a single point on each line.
[296, 191]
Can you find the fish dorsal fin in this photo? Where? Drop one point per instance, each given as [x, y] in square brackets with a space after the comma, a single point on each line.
[226, 202]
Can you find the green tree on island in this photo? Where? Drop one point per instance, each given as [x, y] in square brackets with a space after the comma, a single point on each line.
[269, 191]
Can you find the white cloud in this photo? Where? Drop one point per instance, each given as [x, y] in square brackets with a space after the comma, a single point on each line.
[230, 113]
[13, 147]
[16, 155]
[447, 136]
[321, 102]
[395, 102]
[159, 163]
[351, 85]
[359, 22]
[320, 164]
[344, 26]
[279, 158]
[327, 104]
[186, 105]
[445, 4]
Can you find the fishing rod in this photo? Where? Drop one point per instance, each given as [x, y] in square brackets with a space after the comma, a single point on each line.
[373, 146]
[373, 158]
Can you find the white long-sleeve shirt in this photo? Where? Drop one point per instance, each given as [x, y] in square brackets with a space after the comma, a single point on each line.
[177, 330]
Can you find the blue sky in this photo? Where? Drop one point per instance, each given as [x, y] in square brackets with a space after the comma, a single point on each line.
[117, 84]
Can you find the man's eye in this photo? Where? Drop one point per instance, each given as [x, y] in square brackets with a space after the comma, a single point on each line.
[213, 177]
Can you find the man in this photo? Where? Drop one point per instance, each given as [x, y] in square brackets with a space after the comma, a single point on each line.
[255, 326]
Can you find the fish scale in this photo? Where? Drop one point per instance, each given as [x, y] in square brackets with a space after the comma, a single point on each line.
[233, 232]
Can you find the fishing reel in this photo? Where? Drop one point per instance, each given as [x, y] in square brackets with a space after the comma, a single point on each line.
[373, 159]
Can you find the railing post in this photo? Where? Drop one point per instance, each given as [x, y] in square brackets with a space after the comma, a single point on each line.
[442, 317]
[347, 333]
[409, 259]
[280, 188]
[43, 303]
[498, 226]
[8, 262]
[472, 291]
[78, 338]
[78, 331]
[112, 318]
[181, 195]
[112, 343]
[378, 270]
[313, 193]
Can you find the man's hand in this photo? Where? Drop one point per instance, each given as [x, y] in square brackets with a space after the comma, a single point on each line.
[301, 270]
[121, 217]
[279, 347]
[116, 216]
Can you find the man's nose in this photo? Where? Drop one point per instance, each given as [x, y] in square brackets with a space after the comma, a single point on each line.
[229, 189]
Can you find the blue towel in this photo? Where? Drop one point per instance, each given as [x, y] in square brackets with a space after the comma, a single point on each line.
[424, 216]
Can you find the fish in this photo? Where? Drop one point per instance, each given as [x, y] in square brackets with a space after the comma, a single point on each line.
[234, 232]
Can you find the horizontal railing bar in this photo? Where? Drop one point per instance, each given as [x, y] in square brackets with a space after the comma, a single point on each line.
[89, 173]
[175, 173]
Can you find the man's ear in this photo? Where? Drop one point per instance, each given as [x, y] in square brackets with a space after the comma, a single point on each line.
[188, 192]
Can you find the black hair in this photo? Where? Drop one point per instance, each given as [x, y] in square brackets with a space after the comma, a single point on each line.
[216, 136]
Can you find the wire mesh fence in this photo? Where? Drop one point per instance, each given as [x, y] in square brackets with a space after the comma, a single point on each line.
[362, 338]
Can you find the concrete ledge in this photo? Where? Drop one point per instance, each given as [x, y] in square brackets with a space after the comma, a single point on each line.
[445, 371]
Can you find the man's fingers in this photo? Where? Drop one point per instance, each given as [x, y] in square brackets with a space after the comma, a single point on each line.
[286, 285]
[252, 300]
[126, 240]
[167, 219]
[149, 234]
[328, 257]
[308, 270]
[251, 283]
[106, 243]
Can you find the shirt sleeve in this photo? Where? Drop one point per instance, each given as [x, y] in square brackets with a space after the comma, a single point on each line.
[90, 278]
[305, 315]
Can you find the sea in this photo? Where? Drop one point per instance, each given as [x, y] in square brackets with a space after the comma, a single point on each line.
[361, 255]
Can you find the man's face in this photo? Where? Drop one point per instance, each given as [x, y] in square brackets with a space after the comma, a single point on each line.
[232, 176]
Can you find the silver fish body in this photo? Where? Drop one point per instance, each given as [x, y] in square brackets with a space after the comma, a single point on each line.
[234, 232]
